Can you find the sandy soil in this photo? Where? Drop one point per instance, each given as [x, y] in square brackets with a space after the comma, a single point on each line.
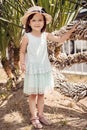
[61, 110]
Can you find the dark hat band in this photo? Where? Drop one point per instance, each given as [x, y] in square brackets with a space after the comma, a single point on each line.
[40, 11]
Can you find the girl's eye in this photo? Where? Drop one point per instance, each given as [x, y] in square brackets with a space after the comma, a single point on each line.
[33, 20]
[40, 20]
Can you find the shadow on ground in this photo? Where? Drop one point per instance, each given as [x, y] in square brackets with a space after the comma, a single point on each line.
[15, 115]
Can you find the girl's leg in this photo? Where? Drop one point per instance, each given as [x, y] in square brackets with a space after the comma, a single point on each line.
[40, 104]
[32, 105]
[40, 107]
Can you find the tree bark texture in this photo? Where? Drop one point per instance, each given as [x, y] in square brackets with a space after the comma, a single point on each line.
[76, 91]
[80, 33]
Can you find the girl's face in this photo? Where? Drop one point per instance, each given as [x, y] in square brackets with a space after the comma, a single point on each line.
[37, 22]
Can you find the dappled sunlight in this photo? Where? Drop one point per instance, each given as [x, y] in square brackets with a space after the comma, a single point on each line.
[6, 101]
[13, 117]
[77, 122]
[29, 127]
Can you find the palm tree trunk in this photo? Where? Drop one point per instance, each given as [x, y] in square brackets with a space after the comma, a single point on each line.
[16, 58]
[7, 68]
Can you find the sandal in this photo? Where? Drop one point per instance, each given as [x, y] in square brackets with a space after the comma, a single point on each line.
[36, 123]
[44, 120]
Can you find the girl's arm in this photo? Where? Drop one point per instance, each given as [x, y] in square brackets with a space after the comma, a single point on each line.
[23, 48]
[61, 39]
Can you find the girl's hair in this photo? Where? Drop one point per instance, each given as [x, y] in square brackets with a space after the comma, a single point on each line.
[29, 29]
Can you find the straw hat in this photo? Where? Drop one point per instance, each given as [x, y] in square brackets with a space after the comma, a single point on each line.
[35, 9]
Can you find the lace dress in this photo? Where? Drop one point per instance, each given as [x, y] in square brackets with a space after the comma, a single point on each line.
[38, 77]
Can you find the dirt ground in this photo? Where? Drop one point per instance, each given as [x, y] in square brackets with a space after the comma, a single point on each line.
[61, 110]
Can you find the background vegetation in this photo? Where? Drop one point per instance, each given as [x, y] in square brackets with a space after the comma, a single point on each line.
[62, 11]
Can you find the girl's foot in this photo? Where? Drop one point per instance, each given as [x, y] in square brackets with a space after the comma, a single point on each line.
[36, 123]
[44, 120]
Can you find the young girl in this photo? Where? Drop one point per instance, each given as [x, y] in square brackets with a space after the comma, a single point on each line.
[38, 73]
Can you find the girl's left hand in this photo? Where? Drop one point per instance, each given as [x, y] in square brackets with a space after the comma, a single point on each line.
[23, 68]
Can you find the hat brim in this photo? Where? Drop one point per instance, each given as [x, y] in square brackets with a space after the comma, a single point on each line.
[25, 17]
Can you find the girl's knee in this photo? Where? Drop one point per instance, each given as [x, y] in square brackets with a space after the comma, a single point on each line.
[32, 96]
[40, 95]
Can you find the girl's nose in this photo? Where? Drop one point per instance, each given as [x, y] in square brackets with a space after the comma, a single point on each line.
[37, 22]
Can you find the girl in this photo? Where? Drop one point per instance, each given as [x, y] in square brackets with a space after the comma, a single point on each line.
[38, 74]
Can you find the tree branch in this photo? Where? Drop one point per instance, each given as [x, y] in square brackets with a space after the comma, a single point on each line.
[63, 61]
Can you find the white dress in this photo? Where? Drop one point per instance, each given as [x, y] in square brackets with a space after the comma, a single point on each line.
[38, 77]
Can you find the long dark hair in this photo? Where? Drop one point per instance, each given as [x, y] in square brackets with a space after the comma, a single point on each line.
[29, 29]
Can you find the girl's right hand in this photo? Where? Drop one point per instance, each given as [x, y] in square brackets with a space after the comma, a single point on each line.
[74, 27]
[23, 67]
